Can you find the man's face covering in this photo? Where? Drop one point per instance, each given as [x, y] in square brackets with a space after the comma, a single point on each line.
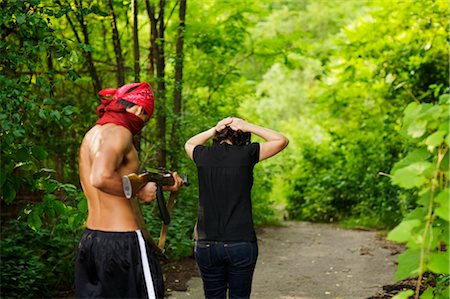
[111, 111]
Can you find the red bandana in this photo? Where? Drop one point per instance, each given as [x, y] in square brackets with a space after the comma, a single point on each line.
[110, 111]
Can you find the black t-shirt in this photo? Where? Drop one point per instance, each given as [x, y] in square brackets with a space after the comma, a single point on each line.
[225, 177]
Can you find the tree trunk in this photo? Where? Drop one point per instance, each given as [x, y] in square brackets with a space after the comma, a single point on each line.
[151, 56]
[96, 83]
[158, 59]
[160, 75]
[177, 99]
[137, 67]
[117, 47]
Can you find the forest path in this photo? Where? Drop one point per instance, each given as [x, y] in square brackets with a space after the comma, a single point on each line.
[302, 260]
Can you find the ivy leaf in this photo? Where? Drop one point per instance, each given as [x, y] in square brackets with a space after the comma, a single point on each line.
[408, 264]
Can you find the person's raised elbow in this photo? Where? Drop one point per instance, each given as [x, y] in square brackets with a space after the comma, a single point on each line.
[189, 148]
[285, 142]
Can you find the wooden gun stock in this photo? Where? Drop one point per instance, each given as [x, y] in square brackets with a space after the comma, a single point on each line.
[132, 183]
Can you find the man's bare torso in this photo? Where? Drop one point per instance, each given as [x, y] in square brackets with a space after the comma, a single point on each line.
[109, 149]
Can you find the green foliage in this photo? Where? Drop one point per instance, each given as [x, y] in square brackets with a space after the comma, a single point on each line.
[39, 262]
[31, 112]
[339, 98]
[425, 230]
[334, 76]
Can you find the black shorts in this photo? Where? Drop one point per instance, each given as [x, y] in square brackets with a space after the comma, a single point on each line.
[117, 265]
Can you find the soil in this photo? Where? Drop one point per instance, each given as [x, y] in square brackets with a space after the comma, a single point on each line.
[301, 260]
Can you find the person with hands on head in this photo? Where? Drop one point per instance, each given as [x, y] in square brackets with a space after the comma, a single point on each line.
[113, 260]
[226, 247]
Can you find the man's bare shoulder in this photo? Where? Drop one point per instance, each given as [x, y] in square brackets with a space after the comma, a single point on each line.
[107, 135]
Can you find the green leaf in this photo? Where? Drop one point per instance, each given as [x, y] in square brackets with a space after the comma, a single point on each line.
[417, 128]
[82, 205]
[68, 110]
[417, 155]
[439, 263]
[19, 132]
[443, 210]
[34, 221]
[444, 99]
[49, 101]
[435, 139]
[425, 197]
[73, 75]
[39, 152]
[402, 232]
[59, 207]
[55, 115]
[411, 176]
[42, 114]
[428, 294]
[8, 192]
[22, 155]
[404, 294]
[408, 264]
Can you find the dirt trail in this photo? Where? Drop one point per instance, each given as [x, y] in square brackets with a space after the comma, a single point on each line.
[303, 260]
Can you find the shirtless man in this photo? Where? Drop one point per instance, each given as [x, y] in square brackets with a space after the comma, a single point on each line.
[113, 259]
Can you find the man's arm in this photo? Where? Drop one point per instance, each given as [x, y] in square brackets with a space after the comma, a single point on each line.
[275, 142]
[107, 159]
[203, 137]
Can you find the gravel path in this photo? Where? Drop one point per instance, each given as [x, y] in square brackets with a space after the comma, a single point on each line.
[302, 260]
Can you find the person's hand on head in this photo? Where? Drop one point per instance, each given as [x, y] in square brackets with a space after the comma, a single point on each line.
[223, 123]
[238, 124]
[148, 193]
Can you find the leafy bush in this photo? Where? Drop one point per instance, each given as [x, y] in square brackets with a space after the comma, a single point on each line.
[38, 263]
[425, 230]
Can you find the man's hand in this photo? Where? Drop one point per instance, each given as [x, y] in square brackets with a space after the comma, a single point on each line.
[148, 193]
[178, 182]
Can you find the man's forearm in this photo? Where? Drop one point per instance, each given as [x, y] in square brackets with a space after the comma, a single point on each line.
[109, 184]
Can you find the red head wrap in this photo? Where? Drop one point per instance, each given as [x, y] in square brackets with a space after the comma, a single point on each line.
[138, 93]
[111, 111]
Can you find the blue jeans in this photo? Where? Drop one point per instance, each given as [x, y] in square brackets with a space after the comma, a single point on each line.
[226, 265]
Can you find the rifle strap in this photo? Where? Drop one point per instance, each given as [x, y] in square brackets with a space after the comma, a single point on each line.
[163, 233]
[136, 207]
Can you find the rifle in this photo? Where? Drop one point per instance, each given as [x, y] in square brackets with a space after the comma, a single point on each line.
[133, 182]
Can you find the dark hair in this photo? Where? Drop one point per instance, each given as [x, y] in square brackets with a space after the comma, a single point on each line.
[236, 137]
[126, 104]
